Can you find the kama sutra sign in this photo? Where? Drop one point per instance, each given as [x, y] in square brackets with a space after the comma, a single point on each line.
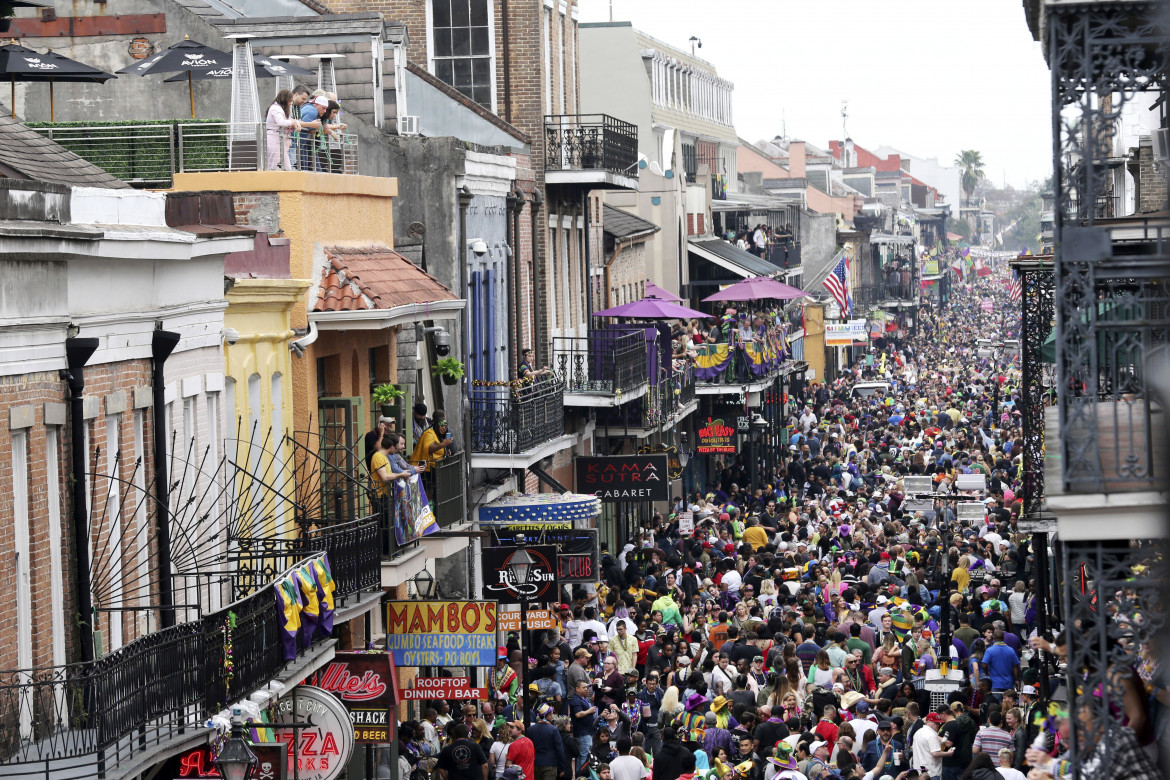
[716, 437]
[364, 682]
[624, 477]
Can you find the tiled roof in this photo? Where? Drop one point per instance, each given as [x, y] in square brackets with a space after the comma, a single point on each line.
[622, 224]
[364, 278]
[26, 154]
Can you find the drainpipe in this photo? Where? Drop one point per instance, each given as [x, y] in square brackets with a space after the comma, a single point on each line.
[162, 344]
[465, 197]
[537, 306]
[515, 206]
[507, 63]
[588, 268]
[78, 351]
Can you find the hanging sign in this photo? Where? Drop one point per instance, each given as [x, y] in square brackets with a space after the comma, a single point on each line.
[429, 688]
[322, 749]
[847, 334]
[499, 582]
[686, 523]
[441, 633]
[365, 683]
[538, 620]
[624, 477]
[715, 436]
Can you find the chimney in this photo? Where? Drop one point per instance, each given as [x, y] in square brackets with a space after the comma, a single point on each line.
[850, 156]
[796, 159]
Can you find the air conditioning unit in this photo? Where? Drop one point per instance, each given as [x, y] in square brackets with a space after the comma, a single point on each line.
[408, 125]
[1161, 139]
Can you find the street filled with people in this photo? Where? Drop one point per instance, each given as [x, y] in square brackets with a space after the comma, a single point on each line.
[832, 622]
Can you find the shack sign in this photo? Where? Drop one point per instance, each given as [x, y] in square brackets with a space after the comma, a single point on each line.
[716, 436]
[365, 684]
[624, 477]
[499, 583]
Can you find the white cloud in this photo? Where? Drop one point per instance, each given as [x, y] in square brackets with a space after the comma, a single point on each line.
[930, 77]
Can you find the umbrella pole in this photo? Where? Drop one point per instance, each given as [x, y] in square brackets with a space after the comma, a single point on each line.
[12, 94]
[52, 106]
[191, 93]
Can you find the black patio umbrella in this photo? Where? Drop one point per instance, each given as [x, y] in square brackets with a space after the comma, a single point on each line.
[20, 63]
[186, 55]
[266, 68]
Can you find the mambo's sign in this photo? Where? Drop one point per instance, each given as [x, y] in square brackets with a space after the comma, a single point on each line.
[715, 436]
[427, 688]
[625, 477]
[441, 633]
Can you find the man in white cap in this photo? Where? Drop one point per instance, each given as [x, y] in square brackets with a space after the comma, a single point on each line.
[818, 763]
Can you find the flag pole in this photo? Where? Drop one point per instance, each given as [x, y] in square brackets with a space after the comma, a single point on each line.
[12, 98]
[52, 106]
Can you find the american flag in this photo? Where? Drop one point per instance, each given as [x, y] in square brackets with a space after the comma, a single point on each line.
[1015, 287]
[837, 283]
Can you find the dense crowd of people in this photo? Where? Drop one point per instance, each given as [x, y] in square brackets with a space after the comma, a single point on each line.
[833, 623]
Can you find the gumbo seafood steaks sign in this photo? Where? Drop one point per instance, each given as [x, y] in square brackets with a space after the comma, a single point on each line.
[625, 477]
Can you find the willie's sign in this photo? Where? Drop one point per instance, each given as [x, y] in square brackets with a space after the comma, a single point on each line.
[624, 477]
[364, 682]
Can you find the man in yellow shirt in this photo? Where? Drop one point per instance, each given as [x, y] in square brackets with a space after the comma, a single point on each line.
[755, 534]
[432, 445]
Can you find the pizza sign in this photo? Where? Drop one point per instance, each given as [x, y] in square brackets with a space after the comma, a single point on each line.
[716, 436]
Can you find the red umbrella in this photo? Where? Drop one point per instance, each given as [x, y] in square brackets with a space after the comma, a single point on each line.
[755, 289]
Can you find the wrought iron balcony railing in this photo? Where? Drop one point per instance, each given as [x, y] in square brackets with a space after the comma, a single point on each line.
[514, 418]
[664, 402]
[444, 483]
[604, 362]
[581, 142]
[91, 718]
[351, 547]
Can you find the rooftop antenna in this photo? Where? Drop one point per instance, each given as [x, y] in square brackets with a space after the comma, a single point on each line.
[784, 124]
[695, 40]
[845, 117]
[611, 10]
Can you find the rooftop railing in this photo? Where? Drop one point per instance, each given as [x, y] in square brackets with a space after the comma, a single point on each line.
[151, 154]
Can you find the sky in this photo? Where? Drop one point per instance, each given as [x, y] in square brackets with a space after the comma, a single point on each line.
[928, 77]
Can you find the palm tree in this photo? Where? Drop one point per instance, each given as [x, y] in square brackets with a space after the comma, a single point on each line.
[971, 162]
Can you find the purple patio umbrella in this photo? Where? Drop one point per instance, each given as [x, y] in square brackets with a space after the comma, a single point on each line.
[756, 288]
[651, 309]
[654, 291]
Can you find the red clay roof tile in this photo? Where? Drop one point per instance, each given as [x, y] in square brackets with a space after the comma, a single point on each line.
[364, 278]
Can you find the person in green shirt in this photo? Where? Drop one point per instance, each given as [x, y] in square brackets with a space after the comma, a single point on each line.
[855, 642]
[669, 609]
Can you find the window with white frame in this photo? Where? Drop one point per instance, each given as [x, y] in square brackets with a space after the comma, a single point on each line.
[461, 47]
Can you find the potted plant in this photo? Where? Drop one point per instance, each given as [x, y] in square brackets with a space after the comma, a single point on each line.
[388, 397]
[449, 369]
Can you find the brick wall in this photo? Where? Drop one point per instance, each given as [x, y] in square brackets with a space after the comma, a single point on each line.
[1151, 181]
[258, 209]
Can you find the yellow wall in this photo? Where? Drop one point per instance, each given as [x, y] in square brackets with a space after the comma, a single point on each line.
[814, 340]
[260, 310]
[316, 210]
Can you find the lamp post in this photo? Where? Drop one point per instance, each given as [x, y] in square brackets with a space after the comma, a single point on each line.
[424, 584]
[236, 761]
[758, 424]
[520, 566]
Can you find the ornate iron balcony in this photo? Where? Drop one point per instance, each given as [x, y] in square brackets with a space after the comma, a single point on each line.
[351, 546]
[604, 362]
[579, 142]
[515, 418]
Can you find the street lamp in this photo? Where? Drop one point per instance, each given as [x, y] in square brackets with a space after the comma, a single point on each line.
[520, 566]
[758, 425]
[236, 761]
[424, 584]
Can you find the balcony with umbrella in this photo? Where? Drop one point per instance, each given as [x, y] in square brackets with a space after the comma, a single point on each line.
[20, 63]
[187, 57]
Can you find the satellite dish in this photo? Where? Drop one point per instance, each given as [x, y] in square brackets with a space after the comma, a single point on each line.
[655, 168]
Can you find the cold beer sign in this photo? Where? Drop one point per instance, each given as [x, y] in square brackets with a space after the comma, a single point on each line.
[365, 684]
[625, 477]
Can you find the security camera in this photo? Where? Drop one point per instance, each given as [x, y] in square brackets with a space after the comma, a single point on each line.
[479, 246]
[442, 343]
[231, 335]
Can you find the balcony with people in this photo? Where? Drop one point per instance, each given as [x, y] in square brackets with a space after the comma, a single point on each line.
[607, 367]
[516, 423]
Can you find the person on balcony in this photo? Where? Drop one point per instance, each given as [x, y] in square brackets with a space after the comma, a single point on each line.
[419, 420]
[386, 466]
[279, 126]
[525, 372]
[432, 445]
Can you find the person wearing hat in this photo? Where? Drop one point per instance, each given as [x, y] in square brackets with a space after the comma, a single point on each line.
[818, 762]
[888, 743]
[521, 751]
[927, 749]
[784, 763]
[505, 683]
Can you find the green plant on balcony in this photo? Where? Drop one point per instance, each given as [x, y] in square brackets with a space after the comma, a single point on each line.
[449, 369]
[389, 397]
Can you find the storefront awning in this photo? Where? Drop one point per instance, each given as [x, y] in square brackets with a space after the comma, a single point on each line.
[731, 258]
[539, 508]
